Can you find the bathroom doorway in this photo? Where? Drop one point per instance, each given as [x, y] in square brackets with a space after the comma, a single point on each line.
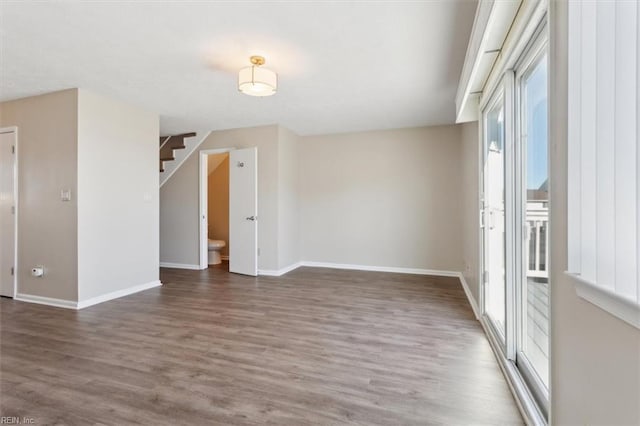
[8, 210]
[217, 208]
[228, 209]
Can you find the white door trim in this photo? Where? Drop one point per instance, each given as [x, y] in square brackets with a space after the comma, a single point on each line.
[14, 129]
[204, 196]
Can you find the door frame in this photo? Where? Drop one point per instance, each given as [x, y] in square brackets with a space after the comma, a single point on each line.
[502, 91]
[16, 202]
[497, 96]
[534, 52]
[532, 397]
[203, 214]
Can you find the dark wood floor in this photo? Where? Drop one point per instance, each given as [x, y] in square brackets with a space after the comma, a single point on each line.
[314, 347]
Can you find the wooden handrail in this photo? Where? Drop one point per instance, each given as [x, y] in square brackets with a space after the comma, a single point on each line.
[182, 135]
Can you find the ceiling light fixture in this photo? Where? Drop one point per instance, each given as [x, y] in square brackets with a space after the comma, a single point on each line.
[257, 81]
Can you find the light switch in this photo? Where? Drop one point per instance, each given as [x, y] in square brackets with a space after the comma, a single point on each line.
[65, 195]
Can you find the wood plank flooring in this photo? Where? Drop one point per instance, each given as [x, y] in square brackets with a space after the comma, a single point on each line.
[314, 347]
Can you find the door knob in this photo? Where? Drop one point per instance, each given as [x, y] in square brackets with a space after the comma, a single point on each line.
[251, 218]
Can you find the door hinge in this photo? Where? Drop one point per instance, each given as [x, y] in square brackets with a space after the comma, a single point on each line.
[485, 277]
[13, 209]
[13, 149]
[12, 271]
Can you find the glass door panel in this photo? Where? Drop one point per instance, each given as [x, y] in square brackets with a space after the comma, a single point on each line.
[494, 215]
[533, 345]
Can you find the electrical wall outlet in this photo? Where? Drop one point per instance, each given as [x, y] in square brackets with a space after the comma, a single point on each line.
[37, 271]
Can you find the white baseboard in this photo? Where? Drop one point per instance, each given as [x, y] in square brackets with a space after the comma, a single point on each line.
[397, 270]
[69, 304]
[467, 291]
[279, 272]
[117, 294]
[179, 265]
[49, 301]
[416, 271]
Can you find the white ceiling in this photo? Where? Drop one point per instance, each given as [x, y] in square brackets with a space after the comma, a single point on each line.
[343, 66]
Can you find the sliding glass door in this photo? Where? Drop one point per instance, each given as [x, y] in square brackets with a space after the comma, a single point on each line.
[532, 356]
[515, 217]
[494, 215]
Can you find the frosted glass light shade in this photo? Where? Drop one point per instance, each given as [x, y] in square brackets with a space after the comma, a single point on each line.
[257, 81]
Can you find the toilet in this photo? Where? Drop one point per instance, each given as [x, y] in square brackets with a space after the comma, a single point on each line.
[214, 247]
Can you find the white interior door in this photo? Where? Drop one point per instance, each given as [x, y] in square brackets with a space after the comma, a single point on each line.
[243, 211]
[7, 213]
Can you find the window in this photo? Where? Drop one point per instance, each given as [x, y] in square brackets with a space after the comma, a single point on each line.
[604, 156]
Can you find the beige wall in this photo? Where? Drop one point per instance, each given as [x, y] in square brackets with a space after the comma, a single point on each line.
[179, 216]
[179, 198]
[117, 196]
[106, 238]
[383, 198]
[218, 200]
[470, 208]
[47, 162]
[288, 220]
[595, 370]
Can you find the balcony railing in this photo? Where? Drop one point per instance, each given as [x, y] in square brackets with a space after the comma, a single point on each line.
[537, 235]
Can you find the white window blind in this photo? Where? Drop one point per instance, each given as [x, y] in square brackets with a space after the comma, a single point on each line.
[603, 178]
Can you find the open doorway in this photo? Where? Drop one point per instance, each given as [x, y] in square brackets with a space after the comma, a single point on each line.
[229, 209]
[8, 210]
[218, 208]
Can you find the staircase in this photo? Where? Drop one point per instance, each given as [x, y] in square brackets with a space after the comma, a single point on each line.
[169, 145]
[176, 149]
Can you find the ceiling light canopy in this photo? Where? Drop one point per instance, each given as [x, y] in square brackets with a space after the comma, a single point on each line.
[257, 81]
